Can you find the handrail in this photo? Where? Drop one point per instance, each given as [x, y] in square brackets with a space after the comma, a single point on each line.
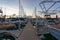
[53, 28]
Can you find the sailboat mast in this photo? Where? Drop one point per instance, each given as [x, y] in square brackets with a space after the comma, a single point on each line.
[19, 8]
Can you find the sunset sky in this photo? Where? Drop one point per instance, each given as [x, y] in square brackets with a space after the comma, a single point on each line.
[12, 6]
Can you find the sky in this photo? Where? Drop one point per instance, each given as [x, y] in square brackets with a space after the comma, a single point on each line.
[10, 7]
[29, 5]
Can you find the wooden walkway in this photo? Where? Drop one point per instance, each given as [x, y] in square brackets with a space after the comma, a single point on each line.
[29, 33]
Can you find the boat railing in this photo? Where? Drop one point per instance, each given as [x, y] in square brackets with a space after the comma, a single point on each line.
[54, 31]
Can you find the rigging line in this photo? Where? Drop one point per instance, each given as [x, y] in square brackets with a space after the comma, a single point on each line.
[41, 7]
[51, 6]
[44, 6]
[56, 9]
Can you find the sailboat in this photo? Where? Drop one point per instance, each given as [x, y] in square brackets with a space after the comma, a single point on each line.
[3, 24]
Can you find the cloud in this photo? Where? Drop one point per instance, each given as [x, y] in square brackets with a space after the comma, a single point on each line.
[8, 10]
